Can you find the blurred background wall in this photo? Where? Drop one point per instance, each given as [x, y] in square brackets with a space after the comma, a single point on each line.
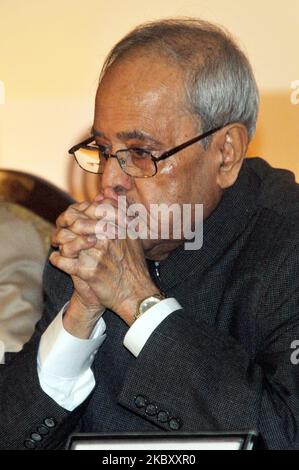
[51, 52]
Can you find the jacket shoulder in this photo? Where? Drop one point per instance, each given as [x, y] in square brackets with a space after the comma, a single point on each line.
[279, 190]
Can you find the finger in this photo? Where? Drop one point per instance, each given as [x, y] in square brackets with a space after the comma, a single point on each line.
[68, 217]
[61, 236]
[84, 226]
[90, 261]
[94, 208]
[73, 248]
[68, 265]
[81, 206]
[110, 211]
[106, 229]
[120, 203]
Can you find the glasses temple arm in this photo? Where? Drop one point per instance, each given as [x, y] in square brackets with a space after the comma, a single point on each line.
[189, 142]
[81, 144]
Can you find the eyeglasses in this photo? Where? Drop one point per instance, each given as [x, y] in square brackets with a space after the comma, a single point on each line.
[136, 162]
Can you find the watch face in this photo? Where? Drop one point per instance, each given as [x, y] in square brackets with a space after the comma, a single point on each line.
[148, 303]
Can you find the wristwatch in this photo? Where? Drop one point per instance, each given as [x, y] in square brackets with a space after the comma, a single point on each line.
[147, 303]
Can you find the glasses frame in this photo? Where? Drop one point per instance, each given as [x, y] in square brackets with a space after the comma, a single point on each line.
[167, 154]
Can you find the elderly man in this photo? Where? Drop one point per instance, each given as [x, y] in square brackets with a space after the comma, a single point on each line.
[142, 335]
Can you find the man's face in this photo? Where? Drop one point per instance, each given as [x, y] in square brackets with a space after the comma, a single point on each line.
[140, 103]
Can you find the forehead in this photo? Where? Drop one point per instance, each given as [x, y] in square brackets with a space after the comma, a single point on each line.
[140, 92]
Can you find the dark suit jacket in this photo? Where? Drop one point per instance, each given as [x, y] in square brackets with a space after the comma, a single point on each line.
[223, 362]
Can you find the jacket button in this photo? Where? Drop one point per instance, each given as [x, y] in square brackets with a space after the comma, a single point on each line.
[50, 422]
[43, 430]
[140, 401]
[175, 424]
[151, 410]
[163, 416]
[35, 436]
[29, 444]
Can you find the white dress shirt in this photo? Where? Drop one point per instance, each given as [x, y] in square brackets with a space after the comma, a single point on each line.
[64, 361]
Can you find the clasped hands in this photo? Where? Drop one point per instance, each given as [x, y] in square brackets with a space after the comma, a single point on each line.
[106, 273]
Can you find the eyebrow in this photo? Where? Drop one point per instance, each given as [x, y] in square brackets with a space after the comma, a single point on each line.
[134, 134]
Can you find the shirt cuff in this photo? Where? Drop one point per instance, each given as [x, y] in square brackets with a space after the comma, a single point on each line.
[63, 363]
[142, 328]
[67, 356]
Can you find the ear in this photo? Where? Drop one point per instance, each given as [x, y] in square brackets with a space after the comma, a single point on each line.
[232, 147]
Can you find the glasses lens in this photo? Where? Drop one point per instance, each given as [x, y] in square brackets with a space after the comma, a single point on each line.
[88, 158]
[137, 163]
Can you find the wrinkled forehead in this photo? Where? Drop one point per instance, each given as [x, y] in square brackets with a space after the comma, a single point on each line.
[143, 93]
[144, 68]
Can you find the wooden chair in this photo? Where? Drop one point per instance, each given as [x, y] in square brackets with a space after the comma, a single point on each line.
[34, 193]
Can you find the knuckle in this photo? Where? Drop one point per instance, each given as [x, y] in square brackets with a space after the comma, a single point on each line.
[68, 216]
[84, 273]
[59, 221]
[77, 225]
[79, 206]
[56, 236]
[55, 259]
[54, 240]
[73, 207]
[75, 247]
[82, 243]
[65, 251]
[61, 250]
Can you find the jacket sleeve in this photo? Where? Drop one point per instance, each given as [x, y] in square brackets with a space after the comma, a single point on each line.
[24, 408]
[191, 376]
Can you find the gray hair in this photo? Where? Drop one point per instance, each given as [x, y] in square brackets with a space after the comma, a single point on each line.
[219, 82]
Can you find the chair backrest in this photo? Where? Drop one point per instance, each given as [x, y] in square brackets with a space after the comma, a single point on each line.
[35, 193]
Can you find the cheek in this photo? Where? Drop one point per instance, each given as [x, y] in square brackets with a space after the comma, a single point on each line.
[182, 179]
[163, 188]
[168, 170]
[178, 181]
[170, 186]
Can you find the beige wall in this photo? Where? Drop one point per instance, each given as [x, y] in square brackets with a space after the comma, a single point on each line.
[51, 52]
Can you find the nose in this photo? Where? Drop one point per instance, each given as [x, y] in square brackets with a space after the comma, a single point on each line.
[115, 182]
